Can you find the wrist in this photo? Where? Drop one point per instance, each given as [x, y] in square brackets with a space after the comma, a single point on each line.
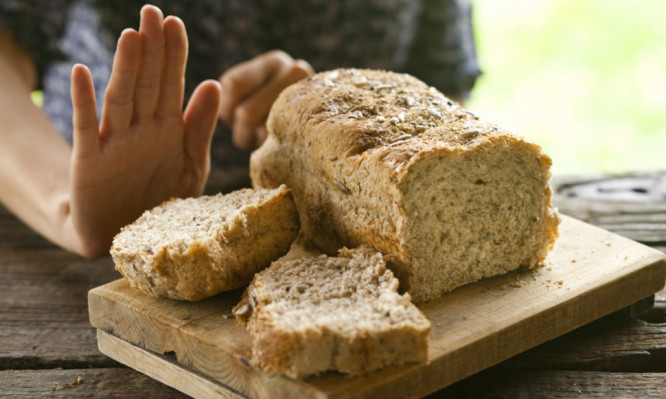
[74, 236]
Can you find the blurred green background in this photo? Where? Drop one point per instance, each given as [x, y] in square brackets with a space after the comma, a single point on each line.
[586, 80]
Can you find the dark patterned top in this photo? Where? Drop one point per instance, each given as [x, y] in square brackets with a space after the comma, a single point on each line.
[431, 39]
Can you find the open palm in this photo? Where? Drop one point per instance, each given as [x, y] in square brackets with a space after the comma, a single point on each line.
[146, 149]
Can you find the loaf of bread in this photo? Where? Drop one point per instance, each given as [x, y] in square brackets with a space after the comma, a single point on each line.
[380, 158]
[313, 314]
[197, 247]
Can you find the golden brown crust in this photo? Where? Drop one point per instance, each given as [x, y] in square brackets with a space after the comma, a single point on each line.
[255, 231]
[354, 143]
[313, 314]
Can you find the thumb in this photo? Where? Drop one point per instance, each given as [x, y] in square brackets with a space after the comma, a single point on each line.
[200, 119]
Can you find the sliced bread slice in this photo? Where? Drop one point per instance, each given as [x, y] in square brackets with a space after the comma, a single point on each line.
[197, 247]
[344, 313]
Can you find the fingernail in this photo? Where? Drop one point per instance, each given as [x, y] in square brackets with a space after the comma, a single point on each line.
[174, 17]
[150, 6]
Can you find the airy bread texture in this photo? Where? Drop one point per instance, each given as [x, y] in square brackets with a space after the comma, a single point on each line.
[382, 159]
[313, 314]
[197, 247]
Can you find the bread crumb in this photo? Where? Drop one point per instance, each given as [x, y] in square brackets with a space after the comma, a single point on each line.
[79, 380]
[573, 260]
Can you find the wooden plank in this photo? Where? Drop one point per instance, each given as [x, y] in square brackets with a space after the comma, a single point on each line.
[497, 384]
[204, 336]
[614, 343]
[631, 205]
[164, 370]
[557, 385]
[43, 306]
[632, 188]
[589, 274]
[115, 382]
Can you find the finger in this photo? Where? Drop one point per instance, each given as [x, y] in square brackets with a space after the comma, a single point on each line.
[173, 72]
[119, 98]
[200, 119]
[243, 79]
[147, 89]
[252, 112]
[84, 120]
[260, 135]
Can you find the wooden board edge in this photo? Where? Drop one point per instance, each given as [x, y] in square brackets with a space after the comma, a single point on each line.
[441, 373]
[159, 339]
[583, 313]
[163, 369]
[655, 266]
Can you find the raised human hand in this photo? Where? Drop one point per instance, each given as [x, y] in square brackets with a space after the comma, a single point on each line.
[146, 149]
[250, 88]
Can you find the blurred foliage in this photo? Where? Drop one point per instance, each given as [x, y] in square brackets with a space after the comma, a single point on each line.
[586, 80]
[37, 97]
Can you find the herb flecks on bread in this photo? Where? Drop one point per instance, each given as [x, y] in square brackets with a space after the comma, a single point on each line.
[382, 159]
[344, 313]
[197, 247]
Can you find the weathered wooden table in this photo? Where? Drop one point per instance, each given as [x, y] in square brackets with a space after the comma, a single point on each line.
[48, 347]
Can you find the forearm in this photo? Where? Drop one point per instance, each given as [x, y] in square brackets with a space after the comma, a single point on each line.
[34, 178]
[34, 159]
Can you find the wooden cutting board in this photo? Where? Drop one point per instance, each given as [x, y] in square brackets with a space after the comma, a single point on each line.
[199, 348]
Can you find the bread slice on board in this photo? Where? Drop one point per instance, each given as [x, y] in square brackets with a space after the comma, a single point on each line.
[197, 247]
[382, 159]
[313, 314]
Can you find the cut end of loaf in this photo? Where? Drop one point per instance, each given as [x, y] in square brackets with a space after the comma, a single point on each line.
[197, 247]
[475, 214]
[344, 313]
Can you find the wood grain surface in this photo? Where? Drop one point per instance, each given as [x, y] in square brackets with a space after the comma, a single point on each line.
[46, 341]
[589, 274]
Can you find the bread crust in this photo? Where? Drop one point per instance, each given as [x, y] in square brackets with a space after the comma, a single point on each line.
[303, 322]
[356, 146]
[226, 257]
